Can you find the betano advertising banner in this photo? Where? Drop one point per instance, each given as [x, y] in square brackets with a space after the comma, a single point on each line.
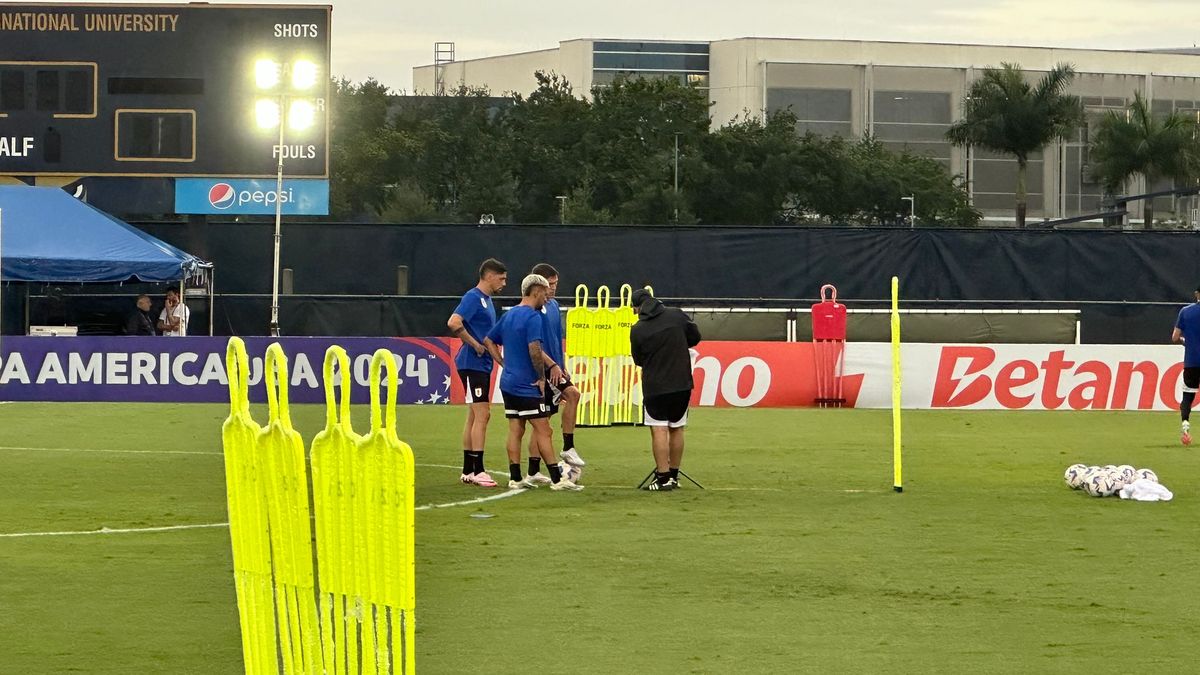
[728, 374]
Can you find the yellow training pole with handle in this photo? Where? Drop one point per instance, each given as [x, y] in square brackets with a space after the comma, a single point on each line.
[390, 551]
[605, 325]
[897, 478]
[291, 533]
[333, 468]
[248, 519]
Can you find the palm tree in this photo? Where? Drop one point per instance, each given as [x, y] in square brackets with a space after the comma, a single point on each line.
[1004, 113]
[1135, 143]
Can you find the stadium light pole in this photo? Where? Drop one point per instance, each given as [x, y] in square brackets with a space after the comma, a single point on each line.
[912, 204]
[677, 177]
[562, 209]
[287, 107]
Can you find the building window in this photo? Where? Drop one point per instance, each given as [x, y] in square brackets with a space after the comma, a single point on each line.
[149, 135]
[603, 78]
[915, 121]
[825, 112]
[657, 47]
[646, 61]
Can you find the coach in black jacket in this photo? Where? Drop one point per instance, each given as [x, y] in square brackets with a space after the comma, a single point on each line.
[660, 341]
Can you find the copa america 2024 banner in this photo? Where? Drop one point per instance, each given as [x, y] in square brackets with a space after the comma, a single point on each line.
[192, 369]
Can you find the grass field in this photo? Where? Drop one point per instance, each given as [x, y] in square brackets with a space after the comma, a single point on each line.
[800, 559]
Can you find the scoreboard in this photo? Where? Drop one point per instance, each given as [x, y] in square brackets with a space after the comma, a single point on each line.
[164, 90]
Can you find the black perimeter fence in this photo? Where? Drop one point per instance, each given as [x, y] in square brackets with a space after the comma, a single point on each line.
[1127, 285]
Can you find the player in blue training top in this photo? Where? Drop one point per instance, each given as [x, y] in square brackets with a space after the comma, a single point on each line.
[560, 391]
[1187, 332]
[521, 332]
[471, 321]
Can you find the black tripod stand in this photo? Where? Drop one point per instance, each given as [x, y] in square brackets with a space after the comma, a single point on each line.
[650, 476]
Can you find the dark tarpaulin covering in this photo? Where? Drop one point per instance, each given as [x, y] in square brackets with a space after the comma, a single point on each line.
[1125, 268]
[719, 262]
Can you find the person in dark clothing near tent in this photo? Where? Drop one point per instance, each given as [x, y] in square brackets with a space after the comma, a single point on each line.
[140, 321]
[661, 341]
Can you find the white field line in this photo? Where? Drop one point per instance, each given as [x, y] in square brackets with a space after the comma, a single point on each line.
[198, 526]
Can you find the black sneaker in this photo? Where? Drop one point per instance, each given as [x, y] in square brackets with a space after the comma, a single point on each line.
[662, 487]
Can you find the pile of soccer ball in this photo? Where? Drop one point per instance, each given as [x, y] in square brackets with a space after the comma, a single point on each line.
[1104, 481]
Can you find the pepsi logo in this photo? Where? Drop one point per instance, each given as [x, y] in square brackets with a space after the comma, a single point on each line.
[221, 195]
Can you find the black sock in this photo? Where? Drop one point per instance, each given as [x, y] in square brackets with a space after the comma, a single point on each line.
[662, 477]
[514, 471]
[555, 474]
[568, 441]
[1185, 406]
[535, 465]
[472, 461]
[674, 473]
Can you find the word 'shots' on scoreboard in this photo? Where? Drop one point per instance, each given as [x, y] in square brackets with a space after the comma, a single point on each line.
[163, 90]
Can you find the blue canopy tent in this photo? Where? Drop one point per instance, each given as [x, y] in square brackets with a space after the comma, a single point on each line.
[48, 236]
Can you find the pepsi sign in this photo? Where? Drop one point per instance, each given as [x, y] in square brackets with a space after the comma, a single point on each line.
[299, 197]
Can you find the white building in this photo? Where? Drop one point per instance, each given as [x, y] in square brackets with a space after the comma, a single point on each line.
[905, 94]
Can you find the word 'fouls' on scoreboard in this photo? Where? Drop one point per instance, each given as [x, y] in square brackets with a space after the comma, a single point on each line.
[164, 90]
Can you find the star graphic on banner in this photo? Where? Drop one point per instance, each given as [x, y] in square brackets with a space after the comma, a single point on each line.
[435, 397]
[420, 402]
[446, 383]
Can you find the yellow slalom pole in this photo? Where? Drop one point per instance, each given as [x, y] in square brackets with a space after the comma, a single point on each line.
[897, 478]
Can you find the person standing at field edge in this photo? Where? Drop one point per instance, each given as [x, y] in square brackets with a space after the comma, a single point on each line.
[660, 342]
[174, 317]
[1187, 333]
[471, 321]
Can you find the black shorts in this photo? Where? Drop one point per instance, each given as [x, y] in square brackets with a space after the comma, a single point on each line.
[1191, 379]
[667, 410]
[524, 408]
[554, 392]
[477, 384]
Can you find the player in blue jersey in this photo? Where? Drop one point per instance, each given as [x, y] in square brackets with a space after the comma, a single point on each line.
[1187, 333]
[560, 391]
[521, 331]
[471, 321]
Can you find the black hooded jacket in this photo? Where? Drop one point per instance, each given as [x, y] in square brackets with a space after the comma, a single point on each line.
[660, 340]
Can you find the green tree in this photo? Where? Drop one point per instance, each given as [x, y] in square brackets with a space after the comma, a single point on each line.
[460, 158]
[1136, 142]
[745, 171]
[630, 145]
[546, 133]
[883, 178]
[364, 148]
[1004, 113]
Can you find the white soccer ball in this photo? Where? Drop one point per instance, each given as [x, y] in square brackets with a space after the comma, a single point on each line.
[572, 473]
[1147, 474]
[1127, 474]
[1101, 484]
[1074, 475]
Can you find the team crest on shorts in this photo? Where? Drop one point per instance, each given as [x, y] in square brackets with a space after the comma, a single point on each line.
[478, 392]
